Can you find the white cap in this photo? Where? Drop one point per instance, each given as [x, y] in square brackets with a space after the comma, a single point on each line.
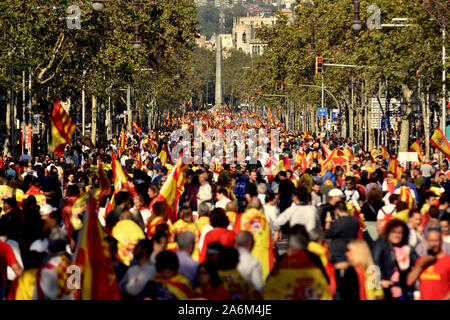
[336, 193]
[46, 209]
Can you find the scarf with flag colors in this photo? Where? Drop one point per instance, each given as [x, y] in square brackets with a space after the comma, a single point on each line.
[439, 141]
[62, 128]
[172, 190]
[178, 285]
[93, 256]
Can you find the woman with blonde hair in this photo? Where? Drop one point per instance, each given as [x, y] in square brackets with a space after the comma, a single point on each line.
[361, 279]
[186, 223]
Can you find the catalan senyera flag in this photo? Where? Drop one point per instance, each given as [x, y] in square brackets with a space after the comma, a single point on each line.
[395, 168]
[178, 285]
[86, 141]
[415, 147]
[439, 142]
[138, 129]
[172, 190]
[62, 129]
[93, 256]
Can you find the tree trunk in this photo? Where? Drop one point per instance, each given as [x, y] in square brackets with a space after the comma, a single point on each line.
[404, 136]
[94, 120]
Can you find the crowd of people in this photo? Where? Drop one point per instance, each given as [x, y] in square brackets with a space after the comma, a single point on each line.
[352, 231]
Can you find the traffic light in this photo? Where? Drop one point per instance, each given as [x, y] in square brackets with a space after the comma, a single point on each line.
[283, 85]
[319, 65]
[276, 85]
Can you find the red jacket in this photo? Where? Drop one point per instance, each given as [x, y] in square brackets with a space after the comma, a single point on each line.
[223, 235]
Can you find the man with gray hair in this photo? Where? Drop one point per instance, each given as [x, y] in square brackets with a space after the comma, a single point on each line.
[204, 192]
[249, 267]
[262, 190]
[188, 266]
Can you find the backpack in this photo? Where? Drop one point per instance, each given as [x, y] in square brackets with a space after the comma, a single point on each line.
[239, 187]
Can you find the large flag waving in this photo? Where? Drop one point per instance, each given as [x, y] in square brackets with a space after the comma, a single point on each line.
[172, 190]
[93, 256]
[395, 168]
[439, 141]
[62, 129]
[415, 147]
[120, 179]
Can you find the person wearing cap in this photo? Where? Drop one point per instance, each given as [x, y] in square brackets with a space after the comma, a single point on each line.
[433, 269]
[335, 195]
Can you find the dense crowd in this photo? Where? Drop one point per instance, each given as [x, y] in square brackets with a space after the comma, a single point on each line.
[353, 231]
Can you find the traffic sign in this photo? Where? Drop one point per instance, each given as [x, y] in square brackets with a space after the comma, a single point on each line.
[322, 112]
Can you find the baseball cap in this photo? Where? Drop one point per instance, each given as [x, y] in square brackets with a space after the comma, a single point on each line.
[336, 193]
[46, 209]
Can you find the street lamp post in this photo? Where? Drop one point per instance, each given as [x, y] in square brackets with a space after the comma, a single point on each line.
[357, 23]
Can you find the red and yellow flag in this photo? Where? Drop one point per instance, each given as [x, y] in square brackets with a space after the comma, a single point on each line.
[296, 277]
[172, 190]
[122, 141]
[178, 285]
[415, 147]
[385, 153]
[138, 129]
[164, 155]
[105, 184]
[270, 116]
[439, 141]
[62, 129]
[395, 168]
[120, 179]
[93, 256]
[300, 160]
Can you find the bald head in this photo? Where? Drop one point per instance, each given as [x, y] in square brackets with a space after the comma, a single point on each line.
[231, 206]
[244, 239]
[254, 203]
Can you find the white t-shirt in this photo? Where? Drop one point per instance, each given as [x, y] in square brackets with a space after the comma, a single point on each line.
[389, 209]
[222, 203]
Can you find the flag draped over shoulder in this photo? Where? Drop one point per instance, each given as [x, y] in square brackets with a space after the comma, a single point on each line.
[93, 256]
[172, 190]
[296, 277]
[62, 129]
[439, 141]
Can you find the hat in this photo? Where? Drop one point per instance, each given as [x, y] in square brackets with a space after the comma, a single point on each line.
[336, 193]
[11, 163]
[46, 209]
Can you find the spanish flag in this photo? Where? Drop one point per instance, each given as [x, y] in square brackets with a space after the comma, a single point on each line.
[105, 184]
[395, 168]
[415, 147]
[72, 209]
[23, 287]
[270, 116]
[254, 221]
[439, 141]
[164, 155]
[296, 277]
[120, 179]
[385, 153]
[172, 190]
[62, 129]
[122, 142]
[93, 256]
[300, 160]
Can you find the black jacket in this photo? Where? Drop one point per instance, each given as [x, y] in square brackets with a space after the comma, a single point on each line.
[384, 257]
